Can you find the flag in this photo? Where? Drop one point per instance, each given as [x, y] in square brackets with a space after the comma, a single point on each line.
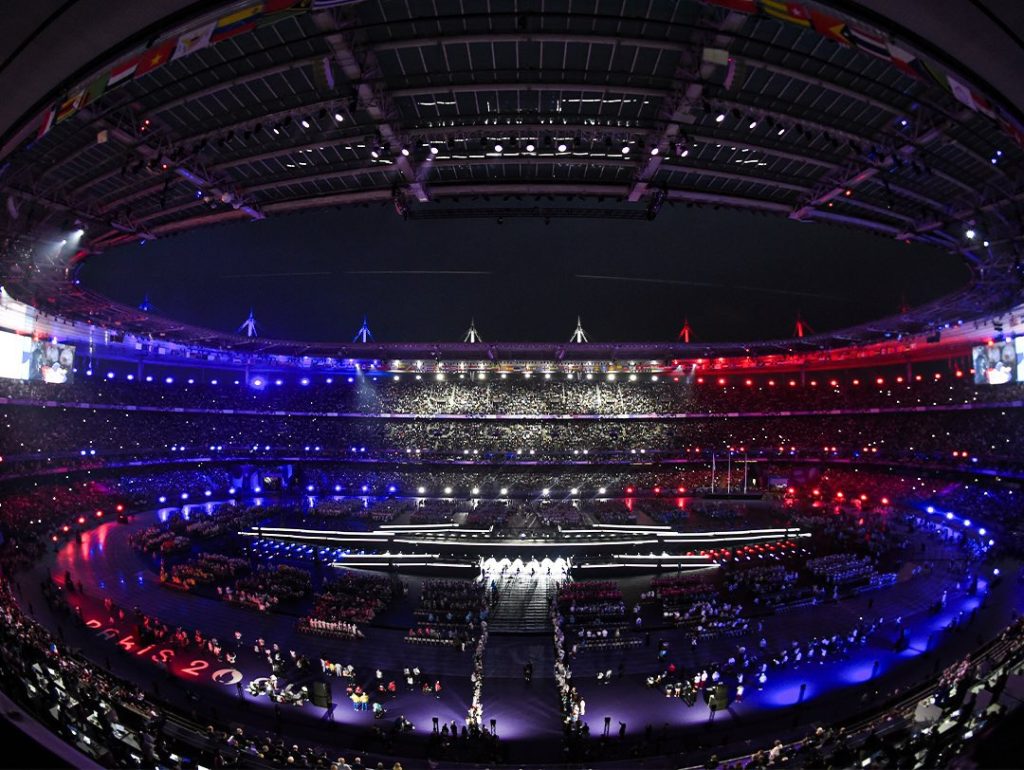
[96, 89]
[983, 105]
[791, 13]
[275, 10]
[47, 122]
[1010, 125]
[830, 27]
[236, 23]
[123, 71]
[193, 41]
[869, 42]
[960, 92]
[72, 103]
[906, 62]
[740, 6]
[157, 56]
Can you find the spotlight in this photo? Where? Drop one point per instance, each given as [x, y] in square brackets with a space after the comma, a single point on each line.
[421, 490]
[753, 125]
[530, 147]
[304, 123]
[562, 147]
[780, 132]
[498, 148]
[720, 117]
[504, 491]
[970, 233]
[339, 117]
[375, 153]
[405, 151]
[433, 150]
[654, 151]
[625, 149]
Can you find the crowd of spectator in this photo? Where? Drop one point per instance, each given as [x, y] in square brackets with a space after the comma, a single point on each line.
[348, 601]
[450, 612]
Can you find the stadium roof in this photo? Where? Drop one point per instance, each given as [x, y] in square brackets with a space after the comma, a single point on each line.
[817, 113]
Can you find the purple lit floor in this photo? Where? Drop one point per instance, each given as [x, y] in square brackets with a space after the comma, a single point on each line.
[527, 716]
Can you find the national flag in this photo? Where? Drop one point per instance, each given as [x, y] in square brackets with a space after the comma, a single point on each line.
[961, 92]
[983, 105]
[236, 23]
[72, 103]
[96, 89]
[740, 6]
[1010, 125]
[47, 122]
[157, 56]
[935, 73]
[869, 42]
[830, 27]
[194, 40]
[275, 10]
[791, 13]
[906, 62]
[123, 71]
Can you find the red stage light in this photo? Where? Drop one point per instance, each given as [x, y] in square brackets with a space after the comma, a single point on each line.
[629, 490]
[119, 508]
[81, 519]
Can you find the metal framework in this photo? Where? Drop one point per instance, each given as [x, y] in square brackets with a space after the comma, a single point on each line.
[578, 112]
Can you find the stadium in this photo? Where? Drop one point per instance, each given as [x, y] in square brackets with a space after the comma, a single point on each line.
[466, 488]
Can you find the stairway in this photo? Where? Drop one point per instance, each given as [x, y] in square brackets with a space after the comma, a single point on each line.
[522, 604]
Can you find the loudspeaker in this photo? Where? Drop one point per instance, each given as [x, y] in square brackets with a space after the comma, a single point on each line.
[322, 694]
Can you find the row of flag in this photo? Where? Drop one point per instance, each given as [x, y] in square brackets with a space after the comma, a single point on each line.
[851, 35]
[146, 60]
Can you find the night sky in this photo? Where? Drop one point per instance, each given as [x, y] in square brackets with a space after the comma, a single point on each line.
[735, 275]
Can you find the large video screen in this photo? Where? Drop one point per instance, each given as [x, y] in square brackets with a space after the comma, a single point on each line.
[999, 363]
[23, 358]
